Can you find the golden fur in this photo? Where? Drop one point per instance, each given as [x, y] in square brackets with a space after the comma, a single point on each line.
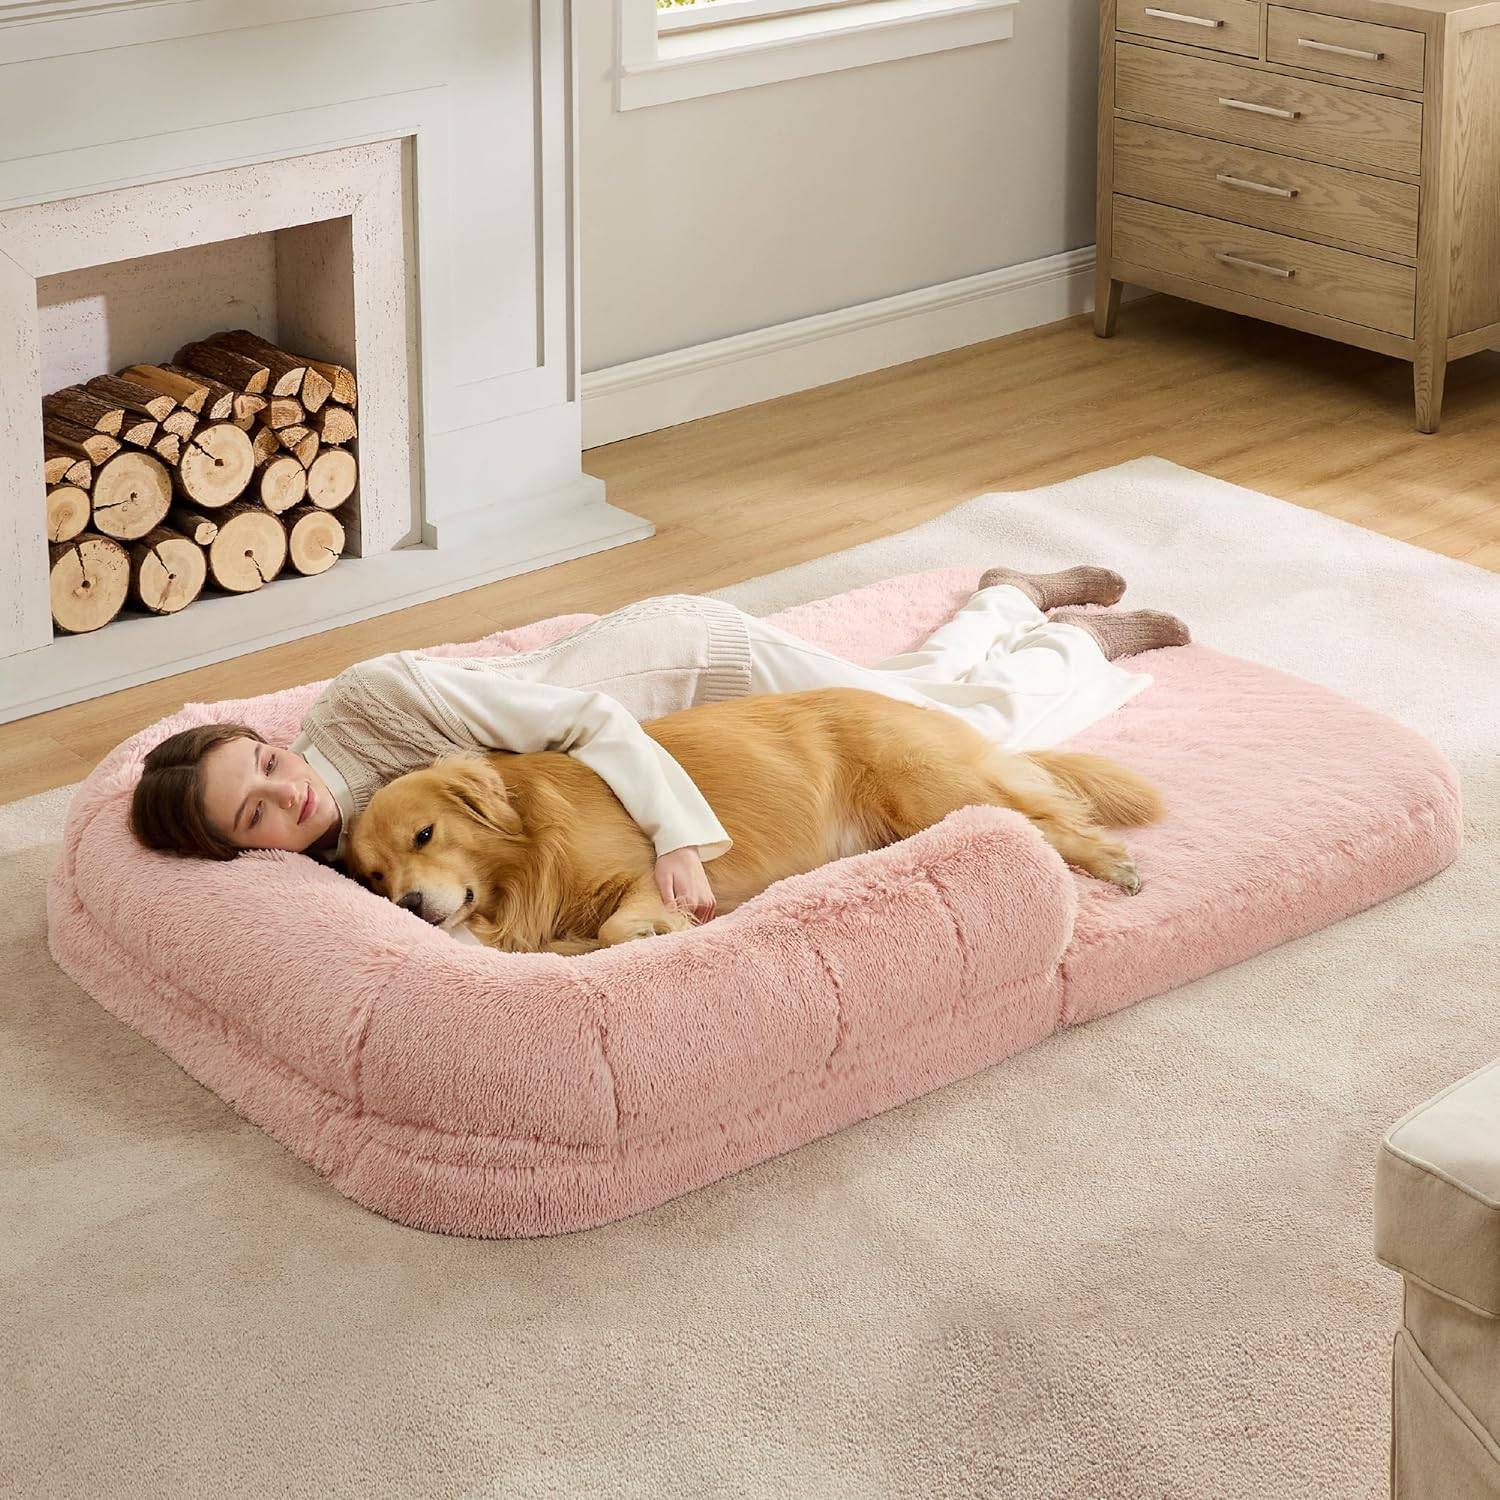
[535, 852]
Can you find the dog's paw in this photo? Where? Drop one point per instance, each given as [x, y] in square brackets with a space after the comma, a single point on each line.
[629, 929]
[1124, 874]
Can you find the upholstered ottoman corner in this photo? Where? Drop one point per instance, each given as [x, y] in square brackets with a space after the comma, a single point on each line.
[1437, 1222]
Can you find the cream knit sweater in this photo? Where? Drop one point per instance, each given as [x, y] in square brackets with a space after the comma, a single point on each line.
[584, 694]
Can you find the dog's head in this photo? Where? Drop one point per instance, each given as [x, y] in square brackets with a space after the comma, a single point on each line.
[432, 841]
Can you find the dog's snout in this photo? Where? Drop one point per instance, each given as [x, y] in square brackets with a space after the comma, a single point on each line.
[412, 902]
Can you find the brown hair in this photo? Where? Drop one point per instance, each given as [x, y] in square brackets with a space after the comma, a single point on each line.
[166, 810]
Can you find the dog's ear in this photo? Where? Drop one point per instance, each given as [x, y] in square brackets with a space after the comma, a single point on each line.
[476, 787]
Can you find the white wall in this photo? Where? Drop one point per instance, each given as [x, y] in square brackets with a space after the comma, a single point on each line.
[720, 215]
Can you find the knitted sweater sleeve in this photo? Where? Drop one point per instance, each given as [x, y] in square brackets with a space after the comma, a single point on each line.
[510, 713]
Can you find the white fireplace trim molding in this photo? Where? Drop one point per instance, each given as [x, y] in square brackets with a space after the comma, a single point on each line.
[363, 184]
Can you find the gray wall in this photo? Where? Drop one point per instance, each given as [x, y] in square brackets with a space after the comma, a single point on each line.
[733, 212]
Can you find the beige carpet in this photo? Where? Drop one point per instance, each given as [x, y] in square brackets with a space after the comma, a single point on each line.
[1133, 1262]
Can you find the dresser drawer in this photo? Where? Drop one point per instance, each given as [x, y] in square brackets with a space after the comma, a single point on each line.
[1335, 283]
[1222, 25]
[1320, 121]
[1353, 49]
[1273, 192]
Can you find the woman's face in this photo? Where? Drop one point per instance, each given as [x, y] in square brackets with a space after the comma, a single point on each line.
[265, 797]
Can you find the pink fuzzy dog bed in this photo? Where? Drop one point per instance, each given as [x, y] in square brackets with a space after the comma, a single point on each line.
[460, 1089]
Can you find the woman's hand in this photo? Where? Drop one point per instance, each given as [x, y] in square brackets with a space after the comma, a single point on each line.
[682, 883]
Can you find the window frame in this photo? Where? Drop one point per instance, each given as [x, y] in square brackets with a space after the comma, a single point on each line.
[707, 13]
[656, 65]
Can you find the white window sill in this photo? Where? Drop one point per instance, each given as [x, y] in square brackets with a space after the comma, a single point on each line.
[687, 64]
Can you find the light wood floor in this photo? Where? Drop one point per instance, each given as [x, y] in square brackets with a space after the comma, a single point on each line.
[734, 496]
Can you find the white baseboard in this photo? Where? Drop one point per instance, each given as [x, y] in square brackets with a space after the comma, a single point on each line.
[625, 400]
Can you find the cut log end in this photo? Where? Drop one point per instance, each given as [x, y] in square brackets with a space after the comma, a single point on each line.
[88, 583]
[68, 512]
[132, 493]
[217, 463]
[167, 571]
[193, 524]
[283, 484]
[341, 381]
[336, 425]
[315, 540]
[250, 549]
[332, 478]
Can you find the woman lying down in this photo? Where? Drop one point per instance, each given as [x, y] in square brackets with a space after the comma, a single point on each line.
[570, 797]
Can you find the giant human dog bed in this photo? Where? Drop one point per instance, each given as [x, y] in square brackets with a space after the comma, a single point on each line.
[460, 1089]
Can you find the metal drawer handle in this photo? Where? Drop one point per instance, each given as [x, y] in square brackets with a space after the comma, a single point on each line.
[1253, 265]
[1312, 46]
[1254, 187]
[1175, 15]
[1262, 109]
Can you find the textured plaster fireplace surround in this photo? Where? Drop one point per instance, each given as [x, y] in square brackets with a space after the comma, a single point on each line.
[387, 183]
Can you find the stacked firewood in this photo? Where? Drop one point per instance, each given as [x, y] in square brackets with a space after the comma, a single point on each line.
[217, 470]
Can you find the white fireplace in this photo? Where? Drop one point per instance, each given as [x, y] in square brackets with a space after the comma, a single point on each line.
[383, 183]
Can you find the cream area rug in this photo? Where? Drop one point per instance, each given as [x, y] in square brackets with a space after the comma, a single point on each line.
[1132, 1263]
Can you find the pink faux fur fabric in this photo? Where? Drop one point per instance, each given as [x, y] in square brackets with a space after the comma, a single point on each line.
[481, 1093]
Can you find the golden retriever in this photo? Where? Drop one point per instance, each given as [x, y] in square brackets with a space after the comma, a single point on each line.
[535, 853]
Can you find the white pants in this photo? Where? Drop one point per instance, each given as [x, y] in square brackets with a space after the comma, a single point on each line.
[1021, 679]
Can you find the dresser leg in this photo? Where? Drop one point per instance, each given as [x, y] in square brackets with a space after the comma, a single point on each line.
[1428, 372]
[1106, 304]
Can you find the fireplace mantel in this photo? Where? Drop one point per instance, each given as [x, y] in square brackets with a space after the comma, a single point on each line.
[106, 96]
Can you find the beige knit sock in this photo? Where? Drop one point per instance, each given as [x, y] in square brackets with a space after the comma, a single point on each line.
[1082, 585]
[1127, 633]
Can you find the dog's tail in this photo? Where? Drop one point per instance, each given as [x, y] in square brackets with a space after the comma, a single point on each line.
[1119, 797]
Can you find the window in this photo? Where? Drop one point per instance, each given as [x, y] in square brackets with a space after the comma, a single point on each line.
[683, 49]
[693, 15]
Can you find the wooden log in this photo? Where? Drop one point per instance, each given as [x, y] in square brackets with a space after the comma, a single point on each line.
[287, 373]
[57, 463]
[82, 442]
[84, 409]
[193, 524]
[130, 395]
[336, 424]
[181, 423]
[282, 483]
[315, 539]
[250, 549]
[341, 381]
[141, 433]
[168, 448]
[236, 370]
[331, 478]
[88, 582]
[132, 494]
[218, 405]
[316, 389]
[167, 571]
[284, 411]
[265, 444]
[185, 388]
[246, 410]
[302, 441]
[217, 463]
[67, 512]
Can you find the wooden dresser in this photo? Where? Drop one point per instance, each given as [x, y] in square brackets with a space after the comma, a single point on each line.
[1332, 165]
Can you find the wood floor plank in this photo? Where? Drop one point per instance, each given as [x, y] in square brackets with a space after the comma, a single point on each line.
[765, 487]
